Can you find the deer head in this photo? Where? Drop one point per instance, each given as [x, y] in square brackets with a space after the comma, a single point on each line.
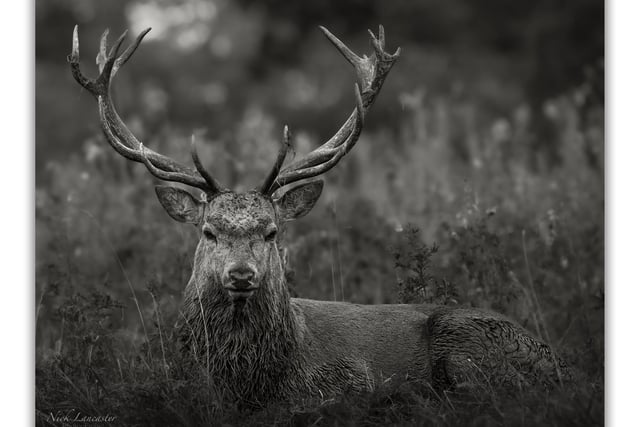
[237, 257]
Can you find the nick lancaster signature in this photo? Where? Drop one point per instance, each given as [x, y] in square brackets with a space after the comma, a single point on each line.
[75, 416]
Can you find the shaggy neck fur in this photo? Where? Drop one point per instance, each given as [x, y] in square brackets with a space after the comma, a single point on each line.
[252, 349]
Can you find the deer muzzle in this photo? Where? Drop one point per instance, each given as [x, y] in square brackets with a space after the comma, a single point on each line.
[239, 281]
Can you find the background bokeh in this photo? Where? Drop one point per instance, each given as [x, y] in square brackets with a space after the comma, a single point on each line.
[488, 138]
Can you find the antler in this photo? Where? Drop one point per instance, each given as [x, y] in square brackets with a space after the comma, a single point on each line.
[116, 132]
[371, 72]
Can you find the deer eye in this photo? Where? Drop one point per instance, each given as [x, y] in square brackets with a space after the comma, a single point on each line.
[208, 234]
[271, 235]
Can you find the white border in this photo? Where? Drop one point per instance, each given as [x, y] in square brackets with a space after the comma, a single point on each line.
[17, 398]
[623, 155]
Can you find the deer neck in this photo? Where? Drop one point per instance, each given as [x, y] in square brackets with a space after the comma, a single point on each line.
[250, 346]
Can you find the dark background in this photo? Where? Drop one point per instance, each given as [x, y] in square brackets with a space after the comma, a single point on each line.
[488, 137]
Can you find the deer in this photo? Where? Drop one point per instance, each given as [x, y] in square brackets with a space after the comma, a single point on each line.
[260, 343]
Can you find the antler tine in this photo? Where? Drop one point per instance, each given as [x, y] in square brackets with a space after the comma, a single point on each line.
[200, 168]
[129, 52]
[116, 132]
[371, 72]
[106, 61]
[74, 61]
[282, 154]
[381, 36]
[101, 58]
[342, 48]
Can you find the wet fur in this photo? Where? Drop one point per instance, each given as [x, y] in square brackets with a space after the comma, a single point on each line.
[251, 347]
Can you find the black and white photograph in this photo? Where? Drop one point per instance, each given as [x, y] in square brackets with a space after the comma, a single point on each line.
[354, 213]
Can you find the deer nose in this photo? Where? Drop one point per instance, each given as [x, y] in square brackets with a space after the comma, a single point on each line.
[241, 276]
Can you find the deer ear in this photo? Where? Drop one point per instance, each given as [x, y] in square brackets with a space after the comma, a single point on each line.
[298, 201]
[180, 204]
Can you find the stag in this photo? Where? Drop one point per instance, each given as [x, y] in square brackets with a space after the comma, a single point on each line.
[256, 340]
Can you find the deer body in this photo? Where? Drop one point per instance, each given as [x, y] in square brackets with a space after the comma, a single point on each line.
[239, 320]
[320, 349]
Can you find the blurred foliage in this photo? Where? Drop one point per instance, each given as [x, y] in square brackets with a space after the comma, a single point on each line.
[209, 64]
[488, 137]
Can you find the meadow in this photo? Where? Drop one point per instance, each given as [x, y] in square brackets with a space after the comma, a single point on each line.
[449, 197]
[488, 233]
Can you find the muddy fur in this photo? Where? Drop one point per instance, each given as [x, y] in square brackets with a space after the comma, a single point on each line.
[475, 346]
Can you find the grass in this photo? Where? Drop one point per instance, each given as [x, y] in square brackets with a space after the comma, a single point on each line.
[513, 234]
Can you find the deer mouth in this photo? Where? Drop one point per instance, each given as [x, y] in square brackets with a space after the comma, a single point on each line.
[240, 291]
